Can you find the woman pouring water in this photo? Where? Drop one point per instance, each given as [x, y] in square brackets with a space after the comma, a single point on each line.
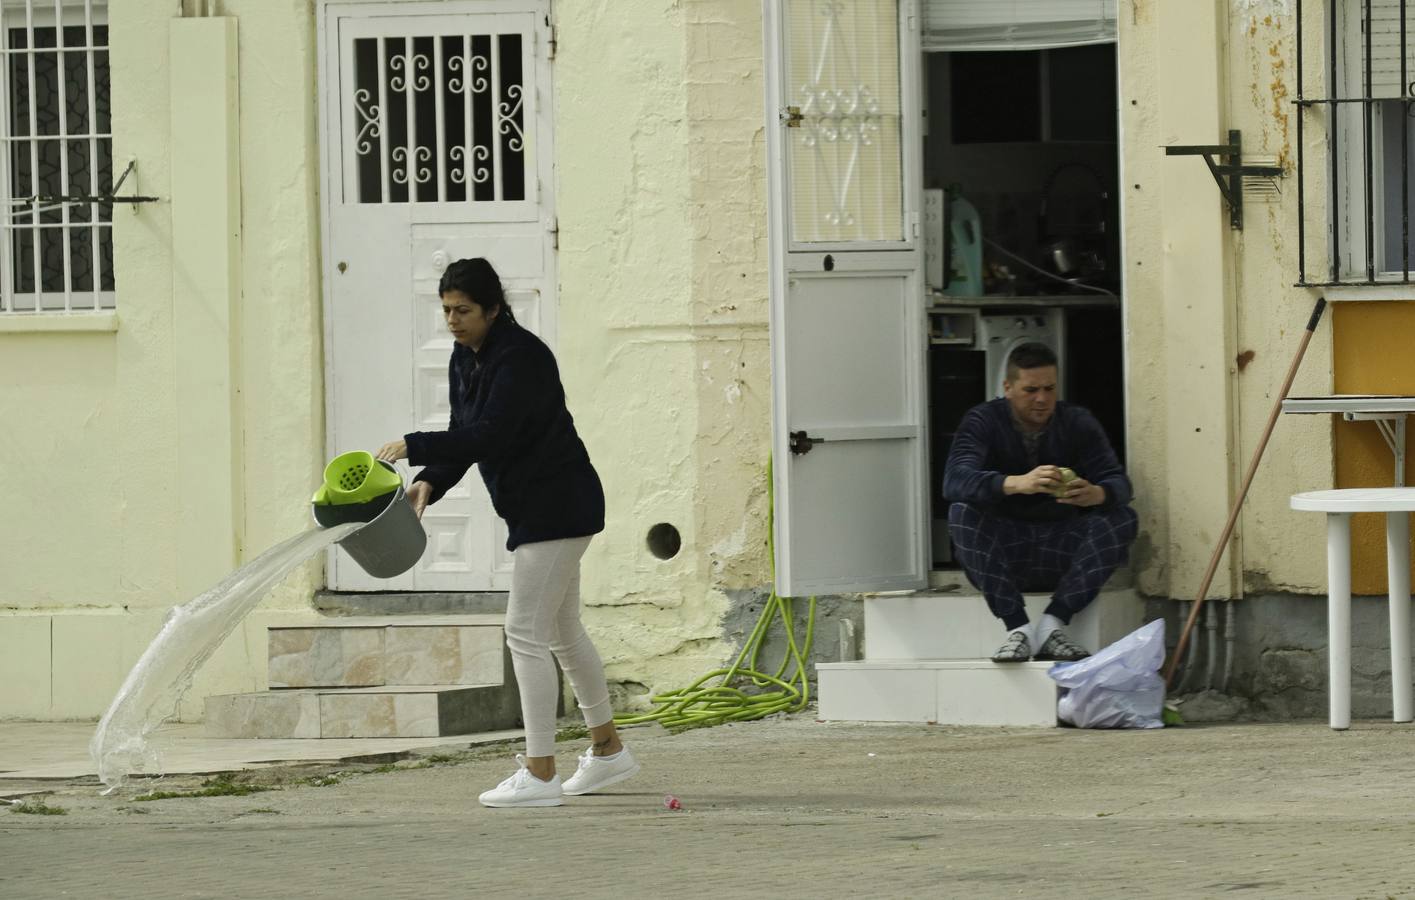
[509, 419]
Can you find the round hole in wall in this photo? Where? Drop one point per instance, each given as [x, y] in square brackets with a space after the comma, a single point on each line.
[663, 541]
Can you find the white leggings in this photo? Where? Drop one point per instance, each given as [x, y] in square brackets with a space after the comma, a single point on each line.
[543, 617]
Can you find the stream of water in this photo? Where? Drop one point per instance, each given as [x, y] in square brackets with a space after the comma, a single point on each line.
[189, 635]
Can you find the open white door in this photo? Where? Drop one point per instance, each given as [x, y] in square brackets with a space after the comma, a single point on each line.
[847, 315]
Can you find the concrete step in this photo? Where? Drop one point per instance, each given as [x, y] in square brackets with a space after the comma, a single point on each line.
[402, 711]
[957, 625]
[388, 650]
[944, 692]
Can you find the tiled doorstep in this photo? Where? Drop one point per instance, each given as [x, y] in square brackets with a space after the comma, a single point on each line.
[944, 692]
[41, 751]
[366, 651]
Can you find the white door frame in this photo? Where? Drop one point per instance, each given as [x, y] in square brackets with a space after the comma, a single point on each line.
[428, 224]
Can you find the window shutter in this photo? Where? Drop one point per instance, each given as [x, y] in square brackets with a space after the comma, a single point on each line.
[1385, 49]
[1019, 24]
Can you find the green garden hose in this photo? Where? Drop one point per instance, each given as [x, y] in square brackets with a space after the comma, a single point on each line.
[738, 696]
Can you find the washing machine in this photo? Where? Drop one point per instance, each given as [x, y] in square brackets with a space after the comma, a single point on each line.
[999, 333]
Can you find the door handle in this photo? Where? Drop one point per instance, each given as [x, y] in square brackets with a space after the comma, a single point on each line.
[801, 442]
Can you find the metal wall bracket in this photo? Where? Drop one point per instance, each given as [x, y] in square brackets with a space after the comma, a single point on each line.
[1392, 428]
[1228, 173]
[45, 203]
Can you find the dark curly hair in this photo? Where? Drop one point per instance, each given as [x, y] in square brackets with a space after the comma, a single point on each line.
[478, 280]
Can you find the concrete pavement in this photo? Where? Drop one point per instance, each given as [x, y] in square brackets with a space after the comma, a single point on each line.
[788, 807]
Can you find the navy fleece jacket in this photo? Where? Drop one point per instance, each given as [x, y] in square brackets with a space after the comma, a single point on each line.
[509, 419]
[987, 448]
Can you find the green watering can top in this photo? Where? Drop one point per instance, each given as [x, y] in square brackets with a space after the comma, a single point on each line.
[355, 477]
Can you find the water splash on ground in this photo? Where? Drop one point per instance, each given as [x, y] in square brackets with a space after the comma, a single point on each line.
[189, 635]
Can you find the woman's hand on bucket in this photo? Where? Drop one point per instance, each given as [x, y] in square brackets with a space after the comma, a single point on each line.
[418, 494]
[393, 451]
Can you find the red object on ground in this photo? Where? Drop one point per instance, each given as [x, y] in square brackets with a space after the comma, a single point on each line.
[672, 802]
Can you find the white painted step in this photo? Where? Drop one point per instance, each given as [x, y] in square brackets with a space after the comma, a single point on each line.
[382, 651]
[957, 625]
[944, 692]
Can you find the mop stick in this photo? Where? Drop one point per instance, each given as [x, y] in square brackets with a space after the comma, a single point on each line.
[1242, 494]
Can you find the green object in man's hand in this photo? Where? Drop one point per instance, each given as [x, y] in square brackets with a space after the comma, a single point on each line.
[1067, 476]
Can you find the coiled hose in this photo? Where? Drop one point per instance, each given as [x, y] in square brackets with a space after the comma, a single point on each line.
[738, 696]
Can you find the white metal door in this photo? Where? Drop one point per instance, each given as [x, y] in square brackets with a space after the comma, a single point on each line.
[847, 314]
[436, 146]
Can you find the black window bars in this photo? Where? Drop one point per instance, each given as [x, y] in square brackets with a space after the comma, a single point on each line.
[1329, 107]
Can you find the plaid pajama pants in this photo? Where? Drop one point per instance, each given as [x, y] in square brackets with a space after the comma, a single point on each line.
[1004, 557]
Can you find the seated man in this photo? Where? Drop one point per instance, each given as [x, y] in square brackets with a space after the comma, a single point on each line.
[1017, 524]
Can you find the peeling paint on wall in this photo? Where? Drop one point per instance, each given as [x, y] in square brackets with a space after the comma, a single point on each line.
[1274, 7]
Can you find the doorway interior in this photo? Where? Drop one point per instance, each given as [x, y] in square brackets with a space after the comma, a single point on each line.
[1021, 232]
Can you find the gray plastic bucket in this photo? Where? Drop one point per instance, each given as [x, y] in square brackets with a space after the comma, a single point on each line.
[393, 540]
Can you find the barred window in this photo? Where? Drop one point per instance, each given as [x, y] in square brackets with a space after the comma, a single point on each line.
[57, 249]
[441, 118]
[1367, 111]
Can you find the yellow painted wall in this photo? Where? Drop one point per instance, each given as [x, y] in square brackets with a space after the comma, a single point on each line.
[1373, 356]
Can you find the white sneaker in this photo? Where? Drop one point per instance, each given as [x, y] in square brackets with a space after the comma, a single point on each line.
[523, 789]
[597, 772]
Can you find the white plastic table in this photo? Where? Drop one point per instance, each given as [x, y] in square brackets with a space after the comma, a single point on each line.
[1397, 503]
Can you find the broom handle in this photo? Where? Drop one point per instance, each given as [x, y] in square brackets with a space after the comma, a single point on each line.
[1242, 494]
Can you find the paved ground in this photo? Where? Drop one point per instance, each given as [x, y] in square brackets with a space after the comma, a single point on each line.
[780, 808]
[45, 751]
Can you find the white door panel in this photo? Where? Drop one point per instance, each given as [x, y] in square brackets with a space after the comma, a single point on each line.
[846, 358]
[436, 146]
[370, 319]
[847, 315]
[860, 515]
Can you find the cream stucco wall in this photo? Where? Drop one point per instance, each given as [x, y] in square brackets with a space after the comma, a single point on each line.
[663, 289]
[117, 525]
[1198, 294]
[1280, 548]
[661, 196]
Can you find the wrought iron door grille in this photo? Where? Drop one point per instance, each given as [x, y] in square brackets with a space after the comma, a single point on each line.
[57, 133]
[440, 119]
[1368, 113]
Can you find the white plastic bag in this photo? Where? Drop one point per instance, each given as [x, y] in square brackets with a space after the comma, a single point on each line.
[1119, 687]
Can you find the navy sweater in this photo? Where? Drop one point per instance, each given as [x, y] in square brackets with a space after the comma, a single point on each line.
[509, 419]
[987, 448]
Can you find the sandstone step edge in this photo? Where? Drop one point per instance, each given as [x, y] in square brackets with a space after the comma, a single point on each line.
[421, 621]
[373, 652]
[371, 712]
